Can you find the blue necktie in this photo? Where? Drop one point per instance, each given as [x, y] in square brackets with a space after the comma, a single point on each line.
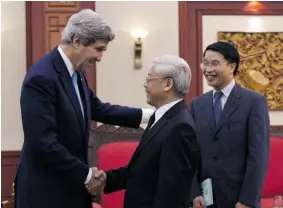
[217, 105]
[75, 83]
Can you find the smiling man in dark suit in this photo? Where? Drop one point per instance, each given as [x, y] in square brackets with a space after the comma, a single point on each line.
[232, 125]
[57, 107]
[160, 172]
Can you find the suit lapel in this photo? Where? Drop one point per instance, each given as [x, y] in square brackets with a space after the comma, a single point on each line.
[207, 109]
[150, 134]
[230, 107]
[67, 83]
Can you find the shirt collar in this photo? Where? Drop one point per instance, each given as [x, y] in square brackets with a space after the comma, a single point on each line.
[228, 89]
[163, 109]
[67, 61]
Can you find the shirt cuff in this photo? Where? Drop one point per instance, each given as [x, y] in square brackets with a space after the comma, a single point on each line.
[146, 113]
[89, 175]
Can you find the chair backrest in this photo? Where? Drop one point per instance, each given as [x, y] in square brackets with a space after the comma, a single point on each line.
[112, 156]
[106, 134]
[274, 179]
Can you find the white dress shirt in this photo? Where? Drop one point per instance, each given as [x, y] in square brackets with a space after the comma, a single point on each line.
[163, 109]
[226, 92]
[146, 113]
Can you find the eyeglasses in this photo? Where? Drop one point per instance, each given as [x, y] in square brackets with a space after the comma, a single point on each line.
[154, 78]
[206, 64]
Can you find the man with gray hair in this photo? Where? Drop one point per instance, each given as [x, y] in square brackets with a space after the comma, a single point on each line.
[160, 172]
[57, 107]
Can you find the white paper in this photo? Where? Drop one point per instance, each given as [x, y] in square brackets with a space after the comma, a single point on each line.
[206, 187]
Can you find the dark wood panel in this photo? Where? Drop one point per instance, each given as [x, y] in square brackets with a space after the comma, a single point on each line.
[276, 131]
[190, 31]
[9, 163]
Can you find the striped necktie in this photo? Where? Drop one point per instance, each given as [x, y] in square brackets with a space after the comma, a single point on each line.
[217, 105]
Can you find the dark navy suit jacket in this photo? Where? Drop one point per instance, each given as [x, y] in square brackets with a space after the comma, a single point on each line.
[235, 152]
[53, 164]
[160, 172]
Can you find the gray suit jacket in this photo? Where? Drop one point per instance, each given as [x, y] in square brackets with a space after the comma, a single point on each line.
[235, 152]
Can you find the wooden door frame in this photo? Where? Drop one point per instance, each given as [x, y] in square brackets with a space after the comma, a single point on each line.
[190, 31]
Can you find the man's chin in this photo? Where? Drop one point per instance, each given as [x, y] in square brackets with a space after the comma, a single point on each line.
[148, 101]
[86, 67]
[211, 83]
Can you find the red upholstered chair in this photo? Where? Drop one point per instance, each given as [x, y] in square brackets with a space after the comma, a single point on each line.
[274, 180]
[111, 156]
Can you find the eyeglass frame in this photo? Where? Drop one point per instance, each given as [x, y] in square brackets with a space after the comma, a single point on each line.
[154, 78]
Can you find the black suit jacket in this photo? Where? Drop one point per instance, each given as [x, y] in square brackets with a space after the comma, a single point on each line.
[161, 170]
[53, 164]
[235, 152]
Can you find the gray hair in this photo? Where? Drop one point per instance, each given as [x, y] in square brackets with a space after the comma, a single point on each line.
[177, 69]
[88, 26]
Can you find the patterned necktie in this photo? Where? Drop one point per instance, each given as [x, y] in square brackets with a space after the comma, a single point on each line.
[75, 83]
[217, 105]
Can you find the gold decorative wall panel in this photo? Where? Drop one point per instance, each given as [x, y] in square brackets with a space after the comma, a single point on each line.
[261, 67]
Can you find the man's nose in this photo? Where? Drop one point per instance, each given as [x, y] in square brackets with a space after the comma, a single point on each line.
[144, 85]
[98, 59]
[208, 69]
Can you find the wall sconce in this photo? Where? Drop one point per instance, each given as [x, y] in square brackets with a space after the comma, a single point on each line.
[139, 36]
[254, 7]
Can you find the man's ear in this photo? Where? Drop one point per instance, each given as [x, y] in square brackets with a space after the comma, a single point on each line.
[76, 42]
[169, 84]
[232, 68]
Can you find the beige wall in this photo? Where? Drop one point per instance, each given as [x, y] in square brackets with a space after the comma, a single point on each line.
[213, 24]
[13, 68]
[118, 81]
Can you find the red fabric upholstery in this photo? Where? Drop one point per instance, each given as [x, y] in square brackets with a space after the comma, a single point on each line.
[274, 180]
[267, 202]
[113, 156]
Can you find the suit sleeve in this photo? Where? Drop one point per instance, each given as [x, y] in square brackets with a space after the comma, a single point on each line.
[114, 114]
[177, 167]
[116, 180]
[196, 189]
[258, 153]
[38, 101]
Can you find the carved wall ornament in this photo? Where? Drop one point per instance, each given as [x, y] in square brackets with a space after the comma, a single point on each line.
[261, 67]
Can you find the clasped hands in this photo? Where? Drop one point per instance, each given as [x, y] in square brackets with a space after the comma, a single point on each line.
[97, 181]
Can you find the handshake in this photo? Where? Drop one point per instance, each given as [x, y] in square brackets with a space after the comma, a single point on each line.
[97, 181]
